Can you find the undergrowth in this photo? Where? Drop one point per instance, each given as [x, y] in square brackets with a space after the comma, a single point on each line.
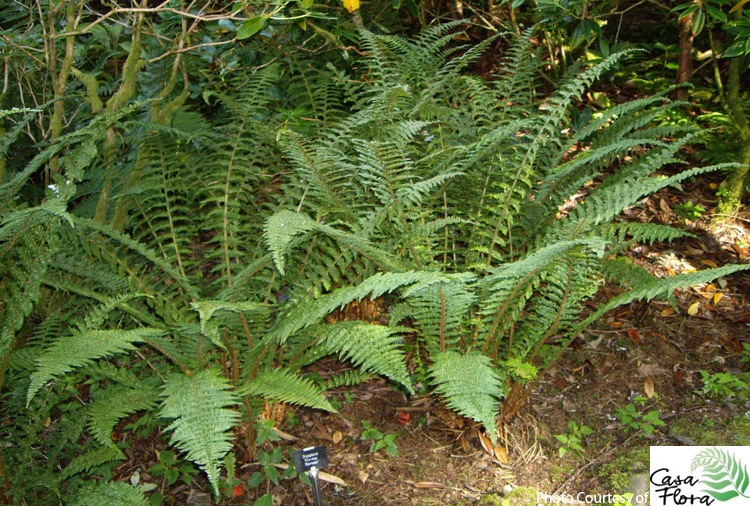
[471, 212]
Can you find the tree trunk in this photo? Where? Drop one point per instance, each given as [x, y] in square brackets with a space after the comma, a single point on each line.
[685, 67]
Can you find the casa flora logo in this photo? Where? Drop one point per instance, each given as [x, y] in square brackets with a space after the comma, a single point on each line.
[691, 475]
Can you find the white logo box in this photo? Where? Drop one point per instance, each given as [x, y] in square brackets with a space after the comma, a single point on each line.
[695, 475]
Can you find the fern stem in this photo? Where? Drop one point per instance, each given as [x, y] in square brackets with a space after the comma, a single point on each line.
[442, 318]
[246, 328]
[558, 318]
[170, 357]
[225, 210]
[501, 312]
[151, 366]
[168, 208]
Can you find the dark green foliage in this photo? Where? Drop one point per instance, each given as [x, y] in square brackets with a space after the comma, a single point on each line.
[480, 221]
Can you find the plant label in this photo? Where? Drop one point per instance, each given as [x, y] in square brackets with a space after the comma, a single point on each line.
[308, 458]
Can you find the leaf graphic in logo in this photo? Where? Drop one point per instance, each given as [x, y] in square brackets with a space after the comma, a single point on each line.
[726, 476]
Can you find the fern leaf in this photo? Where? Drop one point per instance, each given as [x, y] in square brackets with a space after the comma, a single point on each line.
[720, 465]
[348, 378]
[286, 387]
[90, 459]
[659, 288]
[114, 404]
[281, 228]
[203, 421]
[374, 348]
[111, 494]
[311, 311]
[70, 352]
[469, 385]
[206, 309]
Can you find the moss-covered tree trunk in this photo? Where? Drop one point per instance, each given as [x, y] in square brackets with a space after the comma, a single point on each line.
[733, 187]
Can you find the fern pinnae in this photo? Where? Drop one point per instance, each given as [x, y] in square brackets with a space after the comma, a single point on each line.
[282, 385]
[200, 406]
[92, 458]
[469, 385]
[373, 348]
[141, 249]
[113, 493]
[70, 352]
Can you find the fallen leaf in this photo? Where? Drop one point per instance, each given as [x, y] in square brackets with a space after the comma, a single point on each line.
[560, 383]
[330, 478]
[648, 387]
[668, 311]
[710, 263]
[717, 297]
[569, 406]
[501, 455]
[486, 443]
[634, 336]
[403, 417]
[337, 437]
[677, 377]
[362, 476]
[693, 309]
[283, 435]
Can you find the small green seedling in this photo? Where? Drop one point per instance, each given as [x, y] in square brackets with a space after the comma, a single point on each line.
[573, 439]
[379, 440]
[632, 419]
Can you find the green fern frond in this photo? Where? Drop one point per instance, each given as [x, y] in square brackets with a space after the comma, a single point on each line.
[469, 385]
[309, 312]
[203, 421]
[114, 404]
[284, 386]
[625, 273]
[90, 459]
[206, 309]
[653, 288]
[70, 352]
[374, 348]
[111, 494]
[140, 248]
[347, 379]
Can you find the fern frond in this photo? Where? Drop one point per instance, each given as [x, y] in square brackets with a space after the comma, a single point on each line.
[311, 311]
[284, 386]
[203, 421]
[114, 404]
[469, 385]
[70, 352]
[653, 288]
[374, 348]
[110, 493]
[90, 459]
[347, 379]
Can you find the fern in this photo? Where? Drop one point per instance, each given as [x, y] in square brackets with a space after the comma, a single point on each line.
[114, 404]
[91, 459]
[70, 352]
[199, 405]
[286, 387]
[373, 348]
[469, 385]
[112, 493]
[348, 378]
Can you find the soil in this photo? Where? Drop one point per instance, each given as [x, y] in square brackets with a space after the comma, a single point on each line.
[647, 355]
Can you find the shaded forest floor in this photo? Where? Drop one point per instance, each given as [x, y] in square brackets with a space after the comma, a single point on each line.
[643, 356]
